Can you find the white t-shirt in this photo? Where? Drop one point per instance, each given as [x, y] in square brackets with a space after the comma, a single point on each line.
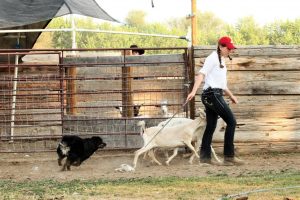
[215, 76]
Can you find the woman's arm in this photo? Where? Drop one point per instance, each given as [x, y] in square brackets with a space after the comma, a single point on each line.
[231, 96]
[199, 79]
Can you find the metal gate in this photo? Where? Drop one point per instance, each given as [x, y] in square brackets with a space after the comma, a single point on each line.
[88, 92]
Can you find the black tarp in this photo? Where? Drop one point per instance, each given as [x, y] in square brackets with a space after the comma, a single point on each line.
[36, 14]
[22, 12]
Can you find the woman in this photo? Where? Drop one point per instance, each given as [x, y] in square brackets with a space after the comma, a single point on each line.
[213, 73]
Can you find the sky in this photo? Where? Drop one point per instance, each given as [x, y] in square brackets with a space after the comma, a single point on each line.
[263, 11]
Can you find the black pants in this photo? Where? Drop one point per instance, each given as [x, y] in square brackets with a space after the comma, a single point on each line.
[215, 106]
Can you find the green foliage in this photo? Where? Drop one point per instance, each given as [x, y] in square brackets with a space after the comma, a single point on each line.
[250, 32]
[61, 39]
[210, 28]
[284, 32]
[245, 32]
[136, 18]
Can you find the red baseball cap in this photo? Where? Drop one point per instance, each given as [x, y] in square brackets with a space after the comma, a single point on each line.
[226, 41]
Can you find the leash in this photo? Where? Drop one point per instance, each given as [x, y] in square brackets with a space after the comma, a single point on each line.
[166, 123]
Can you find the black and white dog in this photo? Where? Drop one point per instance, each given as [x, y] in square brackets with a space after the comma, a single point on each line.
[77, 149]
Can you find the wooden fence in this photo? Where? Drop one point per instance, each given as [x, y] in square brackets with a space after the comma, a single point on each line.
[266, 81]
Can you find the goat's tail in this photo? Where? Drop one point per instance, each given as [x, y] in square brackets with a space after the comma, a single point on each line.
[142, 124]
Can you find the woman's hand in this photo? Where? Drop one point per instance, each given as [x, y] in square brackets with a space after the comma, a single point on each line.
[197, 84]
[234, 99]
[231, 96]
[190, 96]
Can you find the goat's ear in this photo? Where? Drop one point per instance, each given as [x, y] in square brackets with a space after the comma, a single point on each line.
[137, 105]
[201, 112]
[141, 123]
[117, 107]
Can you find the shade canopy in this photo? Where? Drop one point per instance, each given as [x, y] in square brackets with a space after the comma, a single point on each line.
[15, 13]
[36, 14]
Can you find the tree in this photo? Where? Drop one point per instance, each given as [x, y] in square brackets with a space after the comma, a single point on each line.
[61, 39]
[284, 32]
[136, 18]
[210, 28]
[251, 33]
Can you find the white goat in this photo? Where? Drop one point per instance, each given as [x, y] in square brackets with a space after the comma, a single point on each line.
[164, 110]
[174, 122]
[170, 137]
[197, 137]
[167, 123]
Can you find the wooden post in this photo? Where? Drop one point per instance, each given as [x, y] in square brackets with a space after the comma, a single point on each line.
[71, 88]
[194, 23]
[126, 89]
[191, 77]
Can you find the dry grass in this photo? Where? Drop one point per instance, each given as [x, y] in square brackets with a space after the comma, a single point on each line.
[209, 187]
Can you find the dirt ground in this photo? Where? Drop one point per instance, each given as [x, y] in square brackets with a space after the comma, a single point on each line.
[102, 165]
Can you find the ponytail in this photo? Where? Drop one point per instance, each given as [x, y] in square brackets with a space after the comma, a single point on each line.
[219, 57]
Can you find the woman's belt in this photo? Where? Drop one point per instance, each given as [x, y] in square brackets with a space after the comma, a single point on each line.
[213, 90]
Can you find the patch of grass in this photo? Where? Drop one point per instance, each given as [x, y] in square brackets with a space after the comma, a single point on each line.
[210, 187]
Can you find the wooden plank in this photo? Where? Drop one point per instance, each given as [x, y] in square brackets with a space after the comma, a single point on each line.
[265, 107]
[259, 130]
[113, 61]
[258, 63]
[264, 82]
[114, 97]
[257, 51]
[160, 71]
[258, 147]
[260, 136]
[159, 84]
[98, 86]
[111, 85]
[138, 70]
[268, 106]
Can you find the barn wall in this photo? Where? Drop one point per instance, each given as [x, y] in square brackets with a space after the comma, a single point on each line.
[266, 81]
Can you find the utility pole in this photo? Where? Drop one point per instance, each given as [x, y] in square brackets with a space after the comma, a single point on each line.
[194, 23]
[191, 65]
